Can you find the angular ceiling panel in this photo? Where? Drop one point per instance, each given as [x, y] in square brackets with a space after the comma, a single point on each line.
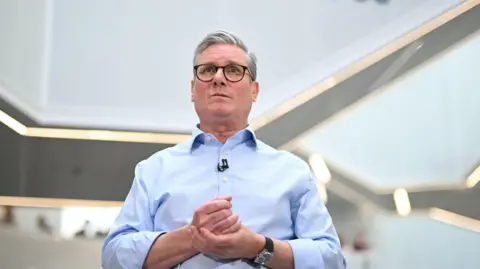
[420, 130]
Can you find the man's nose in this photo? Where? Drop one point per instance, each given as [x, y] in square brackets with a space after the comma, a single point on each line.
[219, 78]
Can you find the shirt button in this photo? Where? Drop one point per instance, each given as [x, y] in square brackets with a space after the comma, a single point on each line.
[225, 155]
[208, 138]
[225, 179]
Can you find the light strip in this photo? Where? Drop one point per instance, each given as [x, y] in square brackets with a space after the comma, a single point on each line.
[366, 62]
[473, 178]
[454, 219]
[54, 202]
[402, 202]
[319, 168]
[434, 213]
[322, 192]
[103, 135]
[12, 123]
[426, 185]
[106, 135]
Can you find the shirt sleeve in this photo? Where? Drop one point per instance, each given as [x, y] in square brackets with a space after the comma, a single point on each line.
[317, 245]
[132, 233]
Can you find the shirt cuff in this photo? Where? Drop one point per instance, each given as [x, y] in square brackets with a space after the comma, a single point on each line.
[306, 254]
[311, 254]
[140, 244]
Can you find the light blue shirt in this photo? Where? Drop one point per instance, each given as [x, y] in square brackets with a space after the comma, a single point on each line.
[274, 194]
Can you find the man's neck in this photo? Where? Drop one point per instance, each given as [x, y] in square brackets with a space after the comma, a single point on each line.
[222, 131]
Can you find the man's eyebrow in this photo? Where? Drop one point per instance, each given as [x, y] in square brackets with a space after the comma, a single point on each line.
[228, 62]
[234, 62]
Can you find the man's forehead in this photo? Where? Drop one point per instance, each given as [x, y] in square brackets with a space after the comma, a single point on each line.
[223, 54]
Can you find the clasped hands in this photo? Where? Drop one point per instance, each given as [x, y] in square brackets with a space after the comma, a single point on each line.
[217, 232]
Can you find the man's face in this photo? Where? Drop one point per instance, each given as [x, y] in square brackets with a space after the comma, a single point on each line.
[220, 97]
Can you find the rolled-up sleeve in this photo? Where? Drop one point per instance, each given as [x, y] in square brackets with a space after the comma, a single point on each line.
[317, 245]
[132, 234]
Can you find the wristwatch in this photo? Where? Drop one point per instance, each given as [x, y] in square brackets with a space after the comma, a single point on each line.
[266, 254]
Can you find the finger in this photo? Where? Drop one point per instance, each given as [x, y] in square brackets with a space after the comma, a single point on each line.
[201, 244]
[224, 224]
[226, 198]
[213, 206]
[210, 207]
[210, 220]
[214, 240]
[233, 229]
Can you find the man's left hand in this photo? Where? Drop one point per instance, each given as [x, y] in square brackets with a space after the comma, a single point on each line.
[243, 244]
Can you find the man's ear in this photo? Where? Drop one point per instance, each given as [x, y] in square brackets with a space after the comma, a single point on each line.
[192, 90]
[255, 89]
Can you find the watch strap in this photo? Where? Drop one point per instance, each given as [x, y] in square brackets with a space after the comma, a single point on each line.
[269, 244]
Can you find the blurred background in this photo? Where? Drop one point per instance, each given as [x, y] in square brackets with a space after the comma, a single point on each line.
[381, 98]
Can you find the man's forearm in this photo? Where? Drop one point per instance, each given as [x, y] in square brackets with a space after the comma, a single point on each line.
[282, 257]
[170, 249]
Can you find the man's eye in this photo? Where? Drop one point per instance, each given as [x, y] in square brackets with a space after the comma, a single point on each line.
[207, 70]
[233, 70]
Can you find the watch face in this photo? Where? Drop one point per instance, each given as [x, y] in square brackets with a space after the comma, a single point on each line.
[267, 256]
[263, 257]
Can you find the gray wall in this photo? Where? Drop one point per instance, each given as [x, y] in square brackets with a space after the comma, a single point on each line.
[30, 251]
[62, 168]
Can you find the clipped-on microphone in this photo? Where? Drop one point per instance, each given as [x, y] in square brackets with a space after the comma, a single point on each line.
[224, 165]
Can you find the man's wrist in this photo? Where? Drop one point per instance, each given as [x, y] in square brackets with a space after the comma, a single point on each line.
[258, 244]
[188, 237]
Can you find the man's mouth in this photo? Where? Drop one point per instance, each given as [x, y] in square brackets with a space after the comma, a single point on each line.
[219, 95]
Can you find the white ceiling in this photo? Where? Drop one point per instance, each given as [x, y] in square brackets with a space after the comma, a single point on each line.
[128, 65]
[420, 130]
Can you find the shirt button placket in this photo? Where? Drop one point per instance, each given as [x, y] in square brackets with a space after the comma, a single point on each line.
[224, 181]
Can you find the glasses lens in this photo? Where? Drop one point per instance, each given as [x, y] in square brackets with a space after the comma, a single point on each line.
[206, 72]
[234, 72]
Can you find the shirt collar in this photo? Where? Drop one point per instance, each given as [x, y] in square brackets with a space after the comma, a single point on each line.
[199, 137]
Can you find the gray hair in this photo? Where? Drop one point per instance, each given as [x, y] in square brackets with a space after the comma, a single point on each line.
[224, 37]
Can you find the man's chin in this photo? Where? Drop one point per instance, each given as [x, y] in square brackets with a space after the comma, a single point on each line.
[221, 112]
[222, 115]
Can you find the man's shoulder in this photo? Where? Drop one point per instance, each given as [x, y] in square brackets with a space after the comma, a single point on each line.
[158, 158]
[282, 156]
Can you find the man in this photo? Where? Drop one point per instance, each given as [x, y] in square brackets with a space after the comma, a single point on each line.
[223, 199]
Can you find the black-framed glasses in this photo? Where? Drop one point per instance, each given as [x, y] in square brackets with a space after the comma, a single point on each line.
[232, 72]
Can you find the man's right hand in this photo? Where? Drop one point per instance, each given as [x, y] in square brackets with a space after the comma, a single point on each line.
[216, 216]
[176, 246]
